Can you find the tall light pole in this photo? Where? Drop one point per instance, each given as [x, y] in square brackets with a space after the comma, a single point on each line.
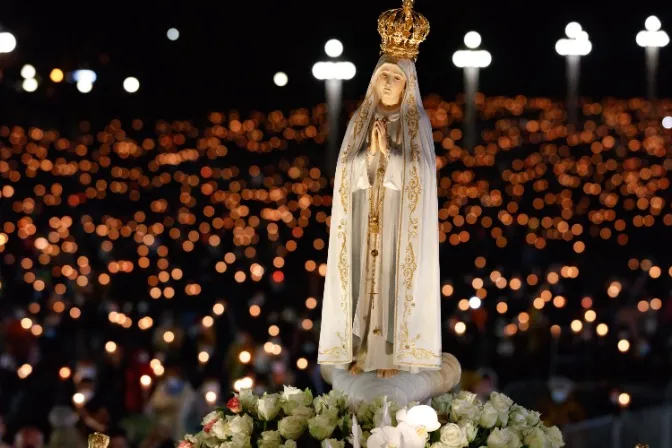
[471, 60]
[576, 44]
[653, 38]
[7, 45]
[333, 72]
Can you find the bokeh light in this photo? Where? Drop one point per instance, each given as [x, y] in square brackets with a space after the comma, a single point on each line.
[173, 34]
[333, 48]
[131, 84]
[280, 79]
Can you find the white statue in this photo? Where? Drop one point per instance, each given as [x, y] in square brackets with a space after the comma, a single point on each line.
[381, 304]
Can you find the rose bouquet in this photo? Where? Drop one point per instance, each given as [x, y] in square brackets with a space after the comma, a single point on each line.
[294, 418]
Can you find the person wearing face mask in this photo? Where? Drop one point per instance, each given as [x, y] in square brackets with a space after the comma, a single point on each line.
[64, 433]
[560, 407]
[87, 388]
[172, 402]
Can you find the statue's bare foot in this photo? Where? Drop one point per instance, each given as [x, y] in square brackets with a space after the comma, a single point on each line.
[387, 373]
[355, 369]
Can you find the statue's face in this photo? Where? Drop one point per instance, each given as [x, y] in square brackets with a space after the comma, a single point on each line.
[390, 84]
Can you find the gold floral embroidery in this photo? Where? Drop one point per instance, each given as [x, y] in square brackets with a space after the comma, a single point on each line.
[344, 190]
[412, 227]
[413, 119]
[406, 346]
[413, 189]
[343, 264]
[337, 351]
[409, 268]
[362, 114]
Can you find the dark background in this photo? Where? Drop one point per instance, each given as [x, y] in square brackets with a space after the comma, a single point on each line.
[228, 51]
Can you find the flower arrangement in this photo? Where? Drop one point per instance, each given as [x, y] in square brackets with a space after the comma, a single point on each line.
[294, 418]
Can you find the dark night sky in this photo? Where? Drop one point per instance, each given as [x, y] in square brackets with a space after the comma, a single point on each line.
[229, 51]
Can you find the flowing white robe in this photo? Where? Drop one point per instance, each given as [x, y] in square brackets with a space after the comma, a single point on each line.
[374, 349]
[409, 276]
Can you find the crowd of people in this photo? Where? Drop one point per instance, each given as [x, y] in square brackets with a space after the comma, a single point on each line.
[149, 270]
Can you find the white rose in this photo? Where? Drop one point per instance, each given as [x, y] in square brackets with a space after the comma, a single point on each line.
[320, 403]
[268, 406]
[303, 412]
[442, 403]
[332, 443]
[518, 416]
[208, 440]
[502, 404]
[536, 438]
[238, 441]
[465, 410]
[241, 441]
[240, 424]
[554, 436]
[270, 439]
[322, 426]
[465, 395]
[469, 429]
[504, 438]
[337, 399]
[533, 418]
[221, 429]
[453, 436]
[293, 398]
[289, 391]
[247, 400]
[489, 416]
[292, 427]
[214, 415]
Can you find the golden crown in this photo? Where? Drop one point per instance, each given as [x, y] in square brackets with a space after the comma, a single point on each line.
[402, 31]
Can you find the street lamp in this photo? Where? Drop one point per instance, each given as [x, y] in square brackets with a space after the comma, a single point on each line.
[7, 42]
[28, 74]
[333, 73]
[576, 44]
[471, 60]
[85, 79]
[653, 38]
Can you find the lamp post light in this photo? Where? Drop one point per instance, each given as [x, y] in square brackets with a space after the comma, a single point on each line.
[471, 60]
[575, 45]
[653, 38]
[333, 72]
[7, 45]
[7, 42]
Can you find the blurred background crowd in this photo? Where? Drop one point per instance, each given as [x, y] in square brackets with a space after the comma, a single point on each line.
[146, 276]
[154, 263]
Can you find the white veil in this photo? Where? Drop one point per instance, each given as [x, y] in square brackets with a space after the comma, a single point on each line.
[417, 332]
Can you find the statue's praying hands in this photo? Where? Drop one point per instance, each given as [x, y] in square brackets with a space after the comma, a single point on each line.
[379, 138]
